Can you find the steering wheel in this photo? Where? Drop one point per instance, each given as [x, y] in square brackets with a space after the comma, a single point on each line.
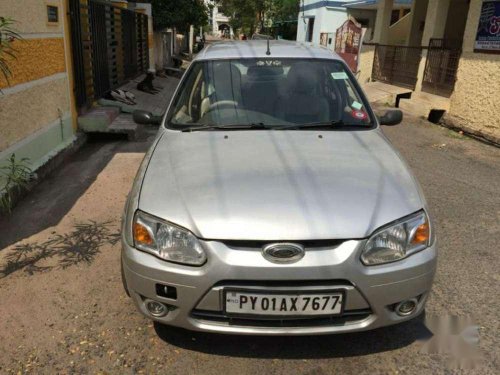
[222, 105]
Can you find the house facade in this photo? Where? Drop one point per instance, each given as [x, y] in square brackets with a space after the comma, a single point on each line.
[451, 51]
[218, 21]
[319, 18]
[447, 51]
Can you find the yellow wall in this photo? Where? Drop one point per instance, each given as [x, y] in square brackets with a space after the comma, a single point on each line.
[366, 63]
[35, 59]
[39, 92]
[41, 52]
[474, 102]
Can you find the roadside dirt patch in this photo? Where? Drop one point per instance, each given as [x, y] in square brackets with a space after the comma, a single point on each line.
[63, 306]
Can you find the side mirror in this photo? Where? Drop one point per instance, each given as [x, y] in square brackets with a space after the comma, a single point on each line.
[391, 117]
[145, 118]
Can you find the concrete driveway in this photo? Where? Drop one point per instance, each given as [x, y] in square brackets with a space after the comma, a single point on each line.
[63, 310]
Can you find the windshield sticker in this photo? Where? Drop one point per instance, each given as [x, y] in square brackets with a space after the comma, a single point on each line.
[269, 63]
[359, 115]
[339, 75]
[356, 105]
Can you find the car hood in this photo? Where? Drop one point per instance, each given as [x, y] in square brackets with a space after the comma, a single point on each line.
[278, 185]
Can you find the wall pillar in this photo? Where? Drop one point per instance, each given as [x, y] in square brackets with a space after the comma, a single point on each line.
[191, 37]
[435, 20]
[421, 71]
[215, 24]
[69, 64]
[435, 23]
[418, 14]
[382, 22]
[147, 10]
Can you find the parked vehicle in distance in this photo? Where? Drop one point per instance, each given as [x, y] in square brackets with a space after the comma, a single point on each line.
[271, 203]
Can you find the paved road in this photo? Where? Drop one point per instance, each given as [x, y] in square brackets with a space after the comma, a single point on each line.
[63, 309]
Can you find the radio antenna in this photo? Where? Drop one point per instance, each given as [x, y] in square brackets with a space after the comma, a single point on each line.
[268, 52]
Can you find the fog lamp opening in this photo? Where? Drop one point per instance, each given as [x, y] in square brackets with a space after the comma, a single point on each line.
[406, 307]
[155, 308]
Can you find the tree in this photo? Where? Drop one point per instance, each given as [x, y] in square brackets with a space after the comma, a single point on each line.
[247, 15]
[283, 10]
[283, 15]
[179, 14]
[258, 15]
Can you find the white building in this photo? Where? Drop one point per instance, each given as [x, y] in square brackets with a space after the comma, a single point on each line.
[318, 17]
[219, 22]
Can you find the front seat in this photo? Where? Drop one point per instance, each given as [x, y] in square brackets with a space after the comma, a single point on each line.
[262, 88]
[303, 103]
[226, 79]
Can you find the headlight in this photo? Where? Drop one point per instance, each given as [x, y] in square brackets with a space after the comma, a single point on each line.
[166, 240]
[398, 240]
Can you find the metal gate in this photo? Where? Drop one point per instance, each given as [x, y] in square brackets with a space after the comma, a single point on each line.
[109, 45]
[396, 65]
[441, 67]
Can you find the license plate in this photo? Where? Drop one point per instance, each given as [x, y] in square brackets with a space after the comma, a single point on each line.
[284, 304]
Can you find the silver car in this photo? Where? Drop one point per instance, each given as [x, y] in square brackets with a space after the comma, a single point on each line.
[271, 203]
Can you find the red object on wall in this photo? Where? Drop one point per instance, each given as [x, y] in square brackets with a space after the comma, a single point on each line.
[348, 43]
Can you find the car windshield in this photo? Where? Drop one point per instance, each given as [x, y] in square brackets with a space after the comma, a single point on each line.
[268, 93]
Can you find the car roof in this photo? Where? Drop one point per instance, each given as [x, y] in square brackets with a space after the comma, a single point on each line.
[257, 49]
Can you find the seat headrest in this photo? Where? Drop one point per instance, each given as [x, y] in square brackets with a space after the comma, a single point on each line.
[225, 81]
[264, 73]
[225, 70]
[302, 78]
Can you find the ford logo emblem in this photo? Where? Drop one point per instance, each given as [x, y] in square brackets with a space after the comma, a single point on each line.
[283, 252]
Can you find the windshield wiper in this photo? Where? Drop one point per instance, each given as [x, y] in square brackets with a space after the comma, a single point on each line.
[319, 124]
[254, 125]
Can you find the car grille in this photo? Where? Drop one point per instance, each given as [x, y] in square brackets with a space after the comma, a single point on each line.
[348, 317]
[252, 244]
[325, 284]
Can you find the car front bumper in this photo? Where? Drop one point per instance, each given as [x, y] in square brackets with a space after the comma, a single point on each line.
[371, 293]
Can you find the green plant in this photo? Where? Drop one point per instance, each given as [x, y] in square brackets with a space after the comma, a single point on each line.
[7, 36]
[14, 177]
[264, 16]
[179, 14]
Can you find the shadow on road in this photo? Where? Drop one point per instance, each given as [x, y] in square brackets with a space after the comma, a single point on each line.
[48, 203]
[81, 245]
[298, 347]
